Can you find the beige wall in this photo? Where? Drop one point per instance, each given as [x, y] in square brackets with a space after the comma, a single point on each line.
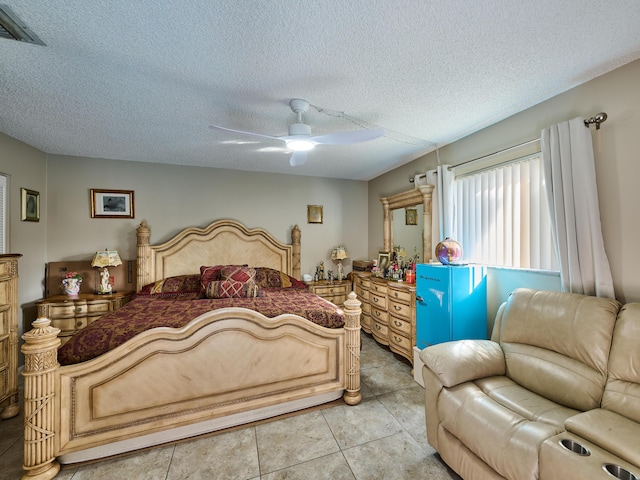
[25, 167]
[616, 147]
[173, 197]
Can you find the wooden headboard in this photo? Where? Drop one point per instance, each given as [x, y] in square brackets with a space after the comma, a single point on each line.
[222, 242]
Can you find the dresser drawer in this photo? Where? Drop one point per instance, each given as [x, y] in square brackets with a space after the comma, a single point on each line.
[379, 288]
[378, 301]
[400, 309]
[379, 330]
[365, 323]
[69, 324]
[400, 341]
[400, 325]
[379, 315]
[363, 294]
[60, 310]
[4, 321]
[366, 308]
[330, 290]
[98, 308]
[401, 295]
[364, 282]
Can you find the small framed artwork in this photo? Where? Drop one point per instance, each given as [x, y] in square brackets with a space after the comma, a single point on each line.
[314, 213]
[384, 260]
[411, 216]
[30, 205]
[111, 203]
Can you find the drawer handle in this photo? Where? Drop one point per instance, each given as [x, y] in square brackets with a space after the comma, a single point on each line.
[79, 324]
[399, 340]
[395, 294]
[397, 308]
[378, 327]
[377, 313]
[375, 299]
[398, 324]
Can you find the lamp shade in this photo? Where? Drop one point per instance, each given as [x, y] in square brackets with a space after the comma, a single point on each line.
[339, 253]
[106, 258]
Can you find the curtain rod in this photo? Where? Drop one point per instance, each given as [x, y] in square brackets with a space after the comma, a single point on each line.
[597, 119]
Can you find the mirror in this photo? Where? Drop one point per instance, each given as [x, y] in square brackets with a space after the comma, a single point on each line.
[398, 210]
[406, 230]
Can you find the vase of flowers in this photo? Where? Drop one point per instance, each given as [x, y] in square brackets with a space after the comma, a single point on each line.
[71, 283]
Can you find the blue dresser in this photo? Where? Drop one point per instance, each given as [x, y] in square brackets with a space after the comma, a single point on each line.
[451, 303]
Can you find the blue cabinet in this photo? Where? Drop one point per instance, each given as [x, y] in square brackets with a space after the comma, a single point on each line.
[451, 303]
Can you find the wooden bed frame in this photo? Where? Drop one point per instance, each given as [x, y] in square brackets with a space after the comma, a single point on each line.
[225, 368]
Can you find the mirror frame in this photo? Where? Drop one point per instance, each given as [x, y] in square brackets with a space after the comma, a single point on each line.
[418, 196]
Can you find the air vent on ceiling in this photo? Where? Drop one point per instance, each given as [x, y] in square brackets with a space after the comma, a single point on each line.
[12, 28]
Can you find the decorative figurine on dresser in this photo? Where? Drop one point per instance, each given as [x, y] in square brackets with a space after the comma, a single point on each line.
[9, 406]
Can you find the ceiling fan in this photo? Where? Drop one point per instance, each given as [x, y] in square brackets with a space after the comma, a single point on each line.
[300, 139]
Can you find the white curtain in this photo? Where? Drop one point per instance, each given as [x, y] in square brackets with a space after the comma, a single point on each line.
[442, 203]
[570, 178]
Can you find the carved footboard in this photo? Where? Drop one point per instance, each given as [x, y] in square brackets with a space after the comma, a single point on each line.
[230, 365]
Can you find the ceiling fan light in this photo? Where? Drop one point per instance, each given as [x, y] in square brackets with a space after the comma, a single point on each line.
[300, 145]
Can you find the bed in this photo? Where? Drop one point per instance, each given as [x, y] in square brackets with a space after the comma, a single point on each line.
[226, 367]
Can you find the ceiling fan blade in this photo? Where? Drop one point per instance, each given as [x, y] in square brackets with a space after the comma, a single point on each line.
[351, 136]
[216, 127]
[298, 158]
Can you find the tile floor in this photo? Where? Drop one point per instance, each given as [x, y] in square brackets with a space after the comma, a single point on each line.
[382, 438]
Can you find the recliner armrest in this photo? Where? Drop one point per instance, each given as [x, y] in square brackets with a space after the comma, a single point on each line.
[464, 360]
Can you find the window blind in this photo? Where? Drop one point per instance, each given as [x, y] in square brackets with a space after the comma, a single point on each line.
[503, 219]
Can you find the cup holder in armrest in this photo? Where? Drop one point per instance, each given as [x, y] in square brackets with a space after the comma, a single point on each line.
[575, 447]
[617, 471]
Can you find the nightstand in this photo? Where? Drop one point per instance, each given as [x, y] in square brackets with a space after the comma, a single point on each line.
[71, 314]
[336, 291]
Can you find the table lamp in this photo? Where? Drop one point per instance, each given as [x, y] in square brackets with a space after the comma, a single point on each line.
[338, 254]
[104, 259]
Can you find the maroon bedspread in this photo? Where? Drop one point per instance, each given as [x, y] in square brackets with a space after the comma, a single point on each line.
[146, 312]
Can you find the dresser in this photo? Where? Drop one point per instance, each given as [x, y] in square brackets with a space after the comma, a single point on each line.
[388, 312]
[452, 303]
[336, 292]
[71, 314]
[9, 335]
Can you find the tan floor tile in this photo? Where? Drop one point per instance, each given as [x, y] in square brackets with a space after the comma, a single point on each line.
[387, 378]
[331, 467]
[398, 457]
[355, 425]
[407, 406]
[293, 440]
[232, 455]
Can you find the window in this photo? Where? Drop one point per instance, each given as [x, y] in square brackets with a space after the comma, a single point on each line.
[502, 216]
[3, 214]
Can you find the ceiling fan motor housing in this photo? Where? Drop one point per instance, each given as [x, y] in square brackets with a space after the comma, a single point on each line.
[299, 129]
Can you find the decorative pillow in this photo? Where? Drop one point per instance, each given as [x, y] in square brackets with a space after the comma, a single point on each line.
[209, 274]
[238, 273]
[231, 289]
[177, 284]
[271, 278]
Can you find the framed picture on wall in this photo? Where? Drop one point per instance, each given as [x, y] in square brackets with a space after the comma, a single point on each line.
[411, 216]
[30, 205]
[112, 203]
[314, 213]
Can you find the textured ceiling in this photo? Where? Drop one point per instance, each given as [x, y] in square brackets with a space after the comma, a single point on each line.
[142, 80]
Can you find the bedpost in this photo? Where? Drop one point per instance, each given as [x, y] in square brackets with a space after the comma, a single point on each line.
[143, 233]
[40, 363]
[352, 312]
[295, 241]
